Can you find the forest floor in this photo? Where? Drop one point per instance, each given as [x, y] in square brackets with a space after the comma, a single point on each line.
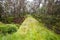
[31, 29]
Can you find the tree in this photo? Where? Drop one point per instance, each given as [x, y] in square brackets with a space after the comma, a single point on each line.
[36, 5]
[53, 15]
[1, 11]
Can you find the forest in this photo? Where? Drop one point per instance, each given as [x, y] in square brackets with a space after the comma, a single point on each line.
[29, 19]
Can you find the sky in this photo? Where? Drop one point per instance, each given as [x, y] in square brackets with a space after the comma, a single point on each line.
[30, 0]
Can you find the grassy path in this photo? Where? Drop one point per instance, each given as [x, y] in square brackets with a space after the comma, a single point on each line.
[31, 29]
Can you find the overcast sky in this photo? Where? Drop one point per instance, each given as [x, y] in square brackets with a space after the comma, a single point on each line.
[30, 0]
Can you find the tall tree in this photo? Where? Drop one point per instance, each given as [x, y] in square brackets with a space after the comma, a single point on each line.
[1, 11]
[35, 5]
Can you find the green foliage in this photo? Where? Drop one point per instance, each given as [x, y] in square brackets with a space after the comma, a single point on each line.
[9, 19]
[12, 28]
[50, 15]
[8, 28]
[31, 29]
[53, 14]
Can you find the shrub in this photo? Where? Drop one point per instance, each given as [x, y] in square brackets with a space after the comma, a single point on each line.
[50, 16]
[7, 28]
[12, 28]
[10, 19]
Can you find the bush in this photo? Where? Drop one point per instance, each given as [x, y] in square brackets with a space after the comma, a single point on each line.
[12, 28]
[10, 19]
[7, 20]
[50, 16]
[8, 28]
